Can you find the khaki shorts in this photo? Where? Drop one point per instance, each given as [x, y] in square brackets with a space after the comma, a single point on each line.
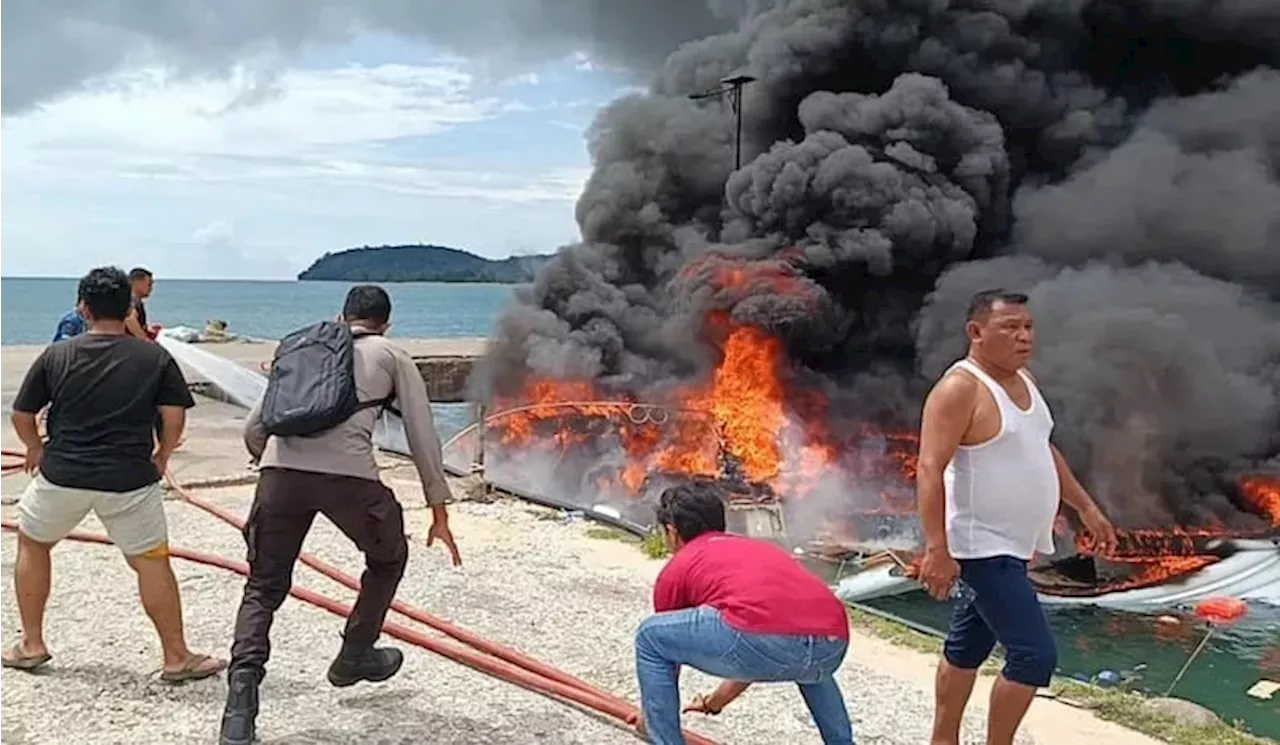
[134, 520]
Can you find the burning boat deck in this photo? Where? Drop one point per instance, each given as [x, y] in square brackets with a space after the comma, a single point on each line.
[585, 451]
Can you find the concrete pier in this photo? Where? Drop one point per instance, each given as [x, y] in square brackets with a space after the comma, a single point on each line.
[446, 365]
[446, 377]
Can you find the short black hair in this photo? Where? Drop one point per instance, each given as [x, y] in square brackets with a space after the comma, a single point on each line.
[367, 303]
[106, 293]
[693, 509]
[139, 272]
[981, 303]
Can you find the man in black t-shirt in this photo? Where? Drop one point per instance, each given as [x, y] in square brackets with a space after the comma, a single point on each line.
[104, 389]
[141, 282]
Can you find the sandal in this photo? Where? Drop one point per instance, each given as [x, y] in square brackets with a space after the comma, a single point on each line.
[195, 668]
[17, 660]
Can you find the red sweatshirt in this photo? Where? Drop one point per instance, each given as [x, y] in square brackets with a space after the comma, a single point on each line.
[757, 587]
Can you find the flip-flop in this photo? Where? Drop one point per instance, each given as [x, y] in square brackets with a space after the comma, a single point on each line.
[192, 670]
[19, 661]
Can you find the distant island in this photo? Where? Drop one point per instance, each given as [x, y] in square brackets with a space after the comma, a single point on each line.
[420, 263]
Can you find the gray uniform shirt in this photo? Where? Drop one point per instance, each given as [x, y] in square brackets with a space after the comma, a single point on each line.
[382, 369]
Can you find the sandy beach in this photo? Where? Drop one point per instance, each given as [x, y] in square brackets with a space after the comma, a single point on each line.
[530, 580]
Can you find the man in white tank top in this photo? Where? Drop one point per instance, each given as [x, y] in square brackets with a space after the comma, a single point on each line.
[988, 485]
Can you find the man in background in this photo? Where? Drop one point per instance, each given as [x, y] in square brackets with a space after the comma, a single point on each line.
[739, 608]
[71, 324]
[988, 484]
[141, 282]
[333, 472]
[104, 389]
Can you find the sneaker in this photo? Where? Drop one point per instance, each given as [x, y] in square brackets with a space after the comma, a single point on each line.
[375, 665]
[239, 719]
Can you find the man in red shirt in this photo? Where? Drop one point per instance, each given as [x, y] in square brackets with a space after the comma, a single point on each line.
[738, 608]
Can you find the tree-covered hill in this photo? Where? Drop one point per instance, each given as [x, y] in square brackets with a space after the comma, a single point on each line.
[419, 263]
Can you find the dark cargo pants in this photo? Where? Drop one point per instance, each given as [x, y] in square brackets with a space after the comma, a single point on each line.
[284, 506]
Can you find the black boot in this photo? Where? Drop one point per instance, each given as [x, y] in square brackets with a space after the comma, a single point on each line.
[374, 664]
[240, 717]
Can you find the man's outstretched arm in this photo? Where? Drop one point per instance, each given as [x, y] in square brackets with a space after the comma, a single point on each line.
[948, 410]
[947, 413]
[255, 435]
[424, 447]
[33, 395]
[1074, 494]
[420, 430]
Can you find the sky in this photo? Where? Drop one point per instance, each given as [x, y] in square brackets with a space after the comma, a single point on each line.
[372, 140]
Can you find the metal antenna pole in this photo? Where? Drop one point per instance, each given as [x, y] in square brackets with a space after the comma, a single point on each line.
[733, 87]
[737, 115]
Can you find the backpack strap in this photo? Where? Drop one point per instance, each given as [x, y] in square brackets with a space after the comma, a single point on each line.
[383, 402]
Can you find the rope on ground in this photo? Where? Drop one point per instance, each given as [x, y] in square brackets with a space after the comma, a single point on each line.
[484, 655]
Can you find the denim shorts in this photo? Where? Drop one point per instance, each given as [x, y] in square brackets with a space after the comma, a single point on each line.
[999, 604]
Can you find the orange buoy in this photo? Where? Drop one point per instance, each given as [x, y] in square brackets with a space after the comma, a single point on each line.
[1221, 610]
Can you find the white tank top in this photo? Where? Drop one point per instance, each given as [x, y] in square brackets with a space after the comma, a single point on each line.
[1002, 494]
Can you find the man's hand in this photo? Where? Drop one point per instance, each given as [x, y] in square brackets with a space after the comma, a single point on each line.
[440, 532]
[713, 703]
[31, 461]
[1102, 534]
[635, 719]
[704, 705]
[161, 459]
[938, 572]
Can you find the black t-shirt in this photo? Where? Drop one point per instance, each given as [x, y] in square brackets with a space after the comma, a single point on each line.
[142, 312]
[104, 391]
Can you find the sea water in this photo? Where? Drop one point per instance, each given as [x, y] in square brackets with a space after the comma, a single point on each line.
[30, 309]
[1091, 640]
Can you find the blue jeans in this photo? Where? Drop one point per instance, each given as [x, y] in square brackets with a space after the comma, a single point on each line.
[698, 637]
[1001, 605]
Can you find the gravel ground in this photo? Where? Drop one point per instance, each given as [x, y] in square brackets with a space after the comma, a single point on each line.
[528, 580]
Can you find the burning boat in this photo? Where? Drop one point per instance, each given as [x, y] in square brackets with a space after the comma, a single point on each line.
[1245, 569]
[624, 453]
[621, 454]
[840, 491]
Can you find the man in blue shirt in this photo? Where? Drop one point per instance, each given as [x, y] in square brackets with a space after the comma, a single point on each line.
[70, 325]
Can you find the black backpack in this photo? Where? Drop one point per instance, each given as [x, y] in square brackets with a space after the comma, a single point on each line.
[312, 384]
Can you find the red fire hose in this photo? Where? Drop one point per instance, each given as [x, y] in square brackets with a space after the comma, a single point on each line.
[509, 665]
[11, 461]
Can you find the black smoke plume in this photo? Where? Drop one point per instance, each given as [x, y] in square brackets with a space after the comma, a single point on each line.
[1119, 160]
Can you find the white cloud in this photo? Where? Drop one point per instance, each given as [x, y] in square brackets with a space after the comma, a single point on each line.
[320, 160]
[312, 108]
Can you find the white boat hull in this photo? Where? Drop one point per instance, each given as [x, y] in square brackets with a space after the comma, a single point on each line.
[1253, 573]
